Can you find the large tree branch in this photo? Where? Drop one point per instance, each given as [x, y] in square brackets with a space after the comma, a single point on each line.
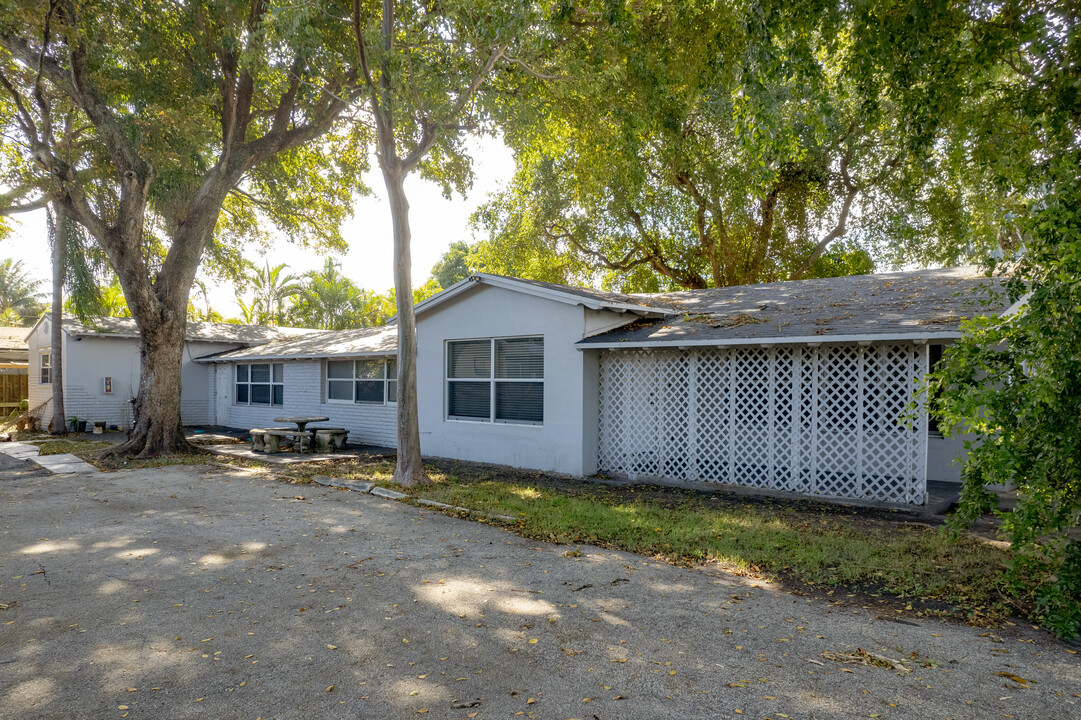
[430, 132]
[23, 117]
[852, 190]
[47, 66]
[839, 229]
[768, 208]
[122, 151]
[39, 90]
[686, 184]
[687, 278]
[7, 208]
[288, 101]
[78, 207]
[537, 74]
[627, 262]
[384, 119]
[246, 83]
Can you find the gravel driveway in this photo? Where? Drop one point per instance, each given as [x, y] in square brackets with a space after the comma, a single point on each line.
[193, 591]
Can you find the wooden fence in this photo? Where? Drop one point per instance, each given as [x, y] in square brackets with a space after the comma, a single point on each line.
[14, 386]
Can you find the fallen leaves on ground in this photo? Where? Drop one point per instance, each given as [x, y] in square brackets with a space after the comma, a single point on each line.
[862, 657]
[1017, 679]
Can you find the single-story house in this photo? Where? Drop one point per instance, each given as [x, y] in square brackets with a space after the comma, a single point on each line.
[101, 366]
[13, 368]
[13, 344]
[795, 386]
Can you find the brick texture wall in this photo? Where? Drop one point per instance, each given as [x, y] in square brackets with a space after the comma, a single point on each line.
[304, 394]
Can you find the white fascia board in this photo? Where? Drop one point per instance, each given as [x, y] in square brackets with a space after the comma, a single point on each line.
[456, 289]
[528, 289]
[1021, 304]
[35, 326]
[569, 298]
[799, 340]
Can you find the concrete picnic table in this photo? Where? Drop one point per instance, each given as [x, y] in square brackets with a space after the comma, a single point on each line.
[301, 422]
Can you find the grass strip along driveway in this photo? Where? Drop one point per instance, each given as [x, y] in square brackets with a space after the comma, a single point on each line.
[851, 554]
[809, 546]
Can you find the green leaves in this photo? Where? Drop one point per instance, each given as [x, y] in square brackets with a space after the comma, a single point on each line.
[1015, 382]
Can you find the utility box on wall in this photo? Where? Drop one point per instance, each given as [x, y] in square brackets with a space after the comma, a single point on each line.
[107, 386]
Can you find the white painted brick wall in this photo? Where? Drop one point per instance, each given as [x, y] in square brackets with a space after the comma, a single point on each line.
[303, 395]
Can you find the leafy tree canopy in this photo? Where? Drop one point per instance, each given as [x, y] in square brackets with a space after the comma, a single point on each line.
[453, 266]
[170, 131]
[706, 144]
[1015, 382]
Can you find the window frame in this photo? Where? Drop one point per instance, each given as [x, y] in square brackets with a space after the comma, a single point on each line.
[386, 381]
[271, 383]
[492, 380]
[45, 368]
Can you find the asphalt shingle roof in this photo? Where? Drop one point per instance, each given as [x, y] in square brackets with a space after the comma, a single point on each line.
[903, 304]
[13, 338]
[196, 331]
[324, 344]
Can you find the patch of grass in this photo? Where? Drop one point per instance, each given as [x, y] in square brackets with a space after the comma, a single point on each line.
[24, 435]
[824, 549]
[81, 448]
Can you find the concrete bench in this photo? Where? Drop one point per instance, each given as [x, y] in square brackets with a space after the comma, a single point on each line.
[258, 438]
[270, 439]
[330, 438]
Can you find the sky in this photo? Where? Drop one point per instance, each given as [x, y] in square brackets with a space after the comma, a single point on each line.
[435, 221]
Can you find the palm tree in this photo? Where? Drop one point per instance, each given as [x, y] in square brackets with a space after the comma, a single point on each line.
[76, 267]
[20, 294]
[273, 286]
[109, 302]
[329, 300]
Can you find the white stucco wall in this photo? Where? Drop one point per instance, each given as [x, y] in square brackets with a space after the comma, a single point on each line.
[566, 441]
[89, 360]
[945, 457]
[303, 394]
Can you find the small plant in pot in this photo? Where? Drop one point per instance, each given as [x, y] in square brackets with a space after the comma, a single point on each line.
[76, 425]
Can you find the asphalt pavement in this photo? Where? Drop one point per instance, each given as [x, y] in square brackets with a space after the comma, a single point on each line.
[201, 592]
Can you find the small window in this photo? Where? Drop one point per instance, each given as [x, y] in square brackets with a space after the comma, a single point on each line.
[496, 380]
[362, 381]
[260, 384]
[46, 377]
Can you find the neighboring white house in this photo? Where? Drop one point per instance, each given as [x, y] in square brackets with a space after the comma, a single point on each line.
[798, 386]
[101, 367]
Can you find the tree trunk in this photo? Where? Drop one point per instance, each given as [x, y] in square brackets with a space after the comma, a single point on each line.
[157, 429]
[410, 468]
[56, 369]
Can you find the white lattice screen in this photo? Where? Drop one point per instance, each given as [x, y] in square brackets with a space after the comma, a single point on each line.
[822, 421]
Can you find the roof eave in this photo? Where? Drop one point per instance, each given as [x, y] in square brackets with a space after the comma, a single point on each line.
[470, 282]
[918, 338]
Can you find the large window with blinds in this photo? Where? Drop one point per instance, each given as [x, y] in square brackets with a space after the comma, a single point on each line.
[496, 380]
[362, 381]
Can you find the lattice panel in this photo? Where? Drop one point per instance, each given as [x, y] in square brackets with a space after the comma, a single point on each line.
[821, 421]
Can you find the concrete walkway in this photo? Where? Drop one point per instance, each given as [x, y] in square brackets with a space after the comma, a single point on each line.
[61, 463]
[197, 592]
